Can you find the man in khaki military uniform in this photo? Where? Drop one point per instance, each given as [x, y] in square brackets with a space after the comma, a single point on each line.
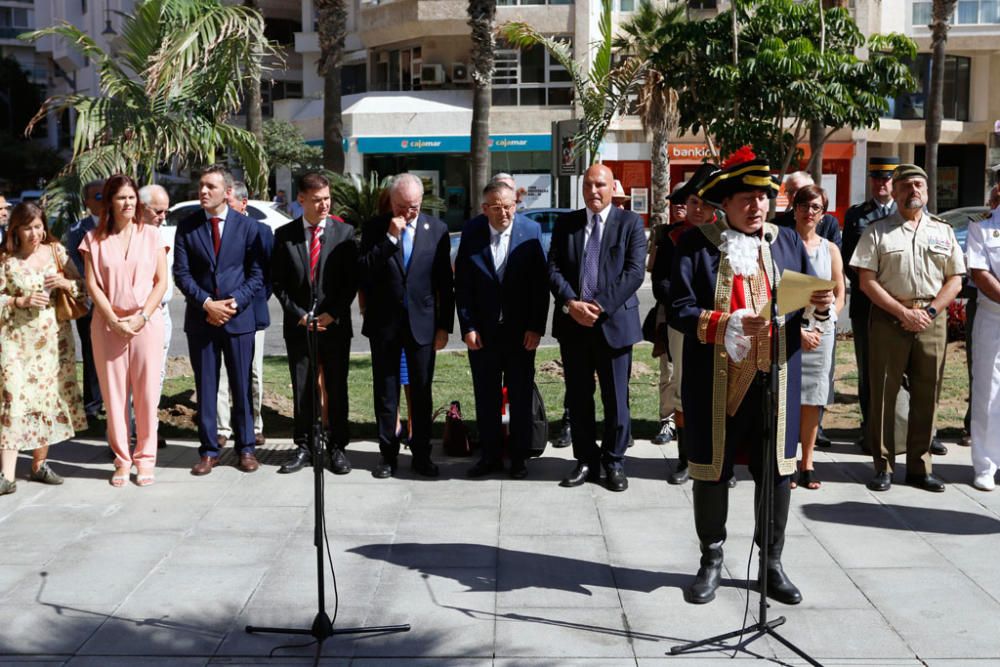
[911, 266]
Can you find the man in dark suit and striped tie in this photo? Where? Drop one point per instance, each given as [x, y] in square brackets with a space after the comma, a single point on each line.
[596, 265]
[315, 267]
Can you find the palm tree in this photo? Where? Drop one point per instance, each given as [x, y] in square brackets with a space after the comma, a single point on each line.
[647, 37]
[255, 121]
[602, 91]
[166, 93]
[331, 17]
[482, 14]
[941, 11]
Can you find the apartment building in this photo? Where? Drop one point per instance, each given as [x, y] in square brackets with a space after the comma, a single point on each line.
[408, 101]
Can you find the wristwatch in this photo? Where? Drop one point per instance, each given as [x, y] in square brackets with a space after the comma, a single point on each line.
[565, 308]
[932, 311]
[145, 317]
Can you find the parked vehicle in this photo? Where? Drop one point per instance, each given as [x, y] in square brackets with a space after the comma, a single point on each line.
[257, 209]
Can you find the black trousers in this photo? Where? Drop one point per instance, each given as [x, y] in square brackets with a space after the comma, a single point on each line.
[585, 353]
[386, 354]
[92, 400]
[334, 351]
[500, 361]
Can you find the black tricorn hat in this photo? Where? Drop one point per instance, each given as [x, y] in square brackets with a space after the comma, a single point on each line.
[741, 172]
[704, 172]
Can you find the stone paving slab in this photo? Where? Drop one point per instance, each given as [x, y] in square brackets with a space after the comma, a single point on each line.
[489, 572]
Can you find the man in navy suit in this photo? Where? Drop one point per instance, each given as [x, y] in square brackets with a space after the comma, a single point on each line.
[596, 265]
[315, 269]
[503, 304]
[217, 266]
[406, 277]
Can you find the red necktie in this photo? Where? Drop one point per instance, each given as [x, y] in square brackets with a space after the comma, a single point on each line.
[216, 237]
[314, 251]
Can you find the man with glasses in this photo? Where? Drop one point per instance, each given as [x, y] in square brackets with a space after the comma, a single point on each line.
[92, 401]
[406, 277]
[503, 304]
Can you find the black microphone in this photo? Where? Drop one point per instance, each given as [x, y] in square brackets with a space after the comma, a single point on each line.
[768, 237]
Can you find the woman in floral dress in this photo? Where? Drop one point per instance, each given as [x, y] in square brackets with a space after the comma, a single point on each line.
[40, 401]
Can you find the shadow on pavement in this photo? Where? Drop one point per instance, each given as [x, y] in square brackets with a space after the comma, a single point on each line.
[903, 517]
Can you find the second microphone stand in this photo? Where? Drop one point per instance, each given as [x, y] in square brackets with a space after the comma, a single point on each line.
[763, 627]
[322, 627]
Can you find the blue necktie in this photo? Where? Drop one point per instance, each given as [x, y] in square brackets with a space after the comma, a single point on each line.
[591, 260]
[407, 246]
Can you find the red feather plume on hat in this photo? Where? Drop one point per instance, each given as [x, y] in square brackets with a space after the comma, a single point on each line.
[739, 156]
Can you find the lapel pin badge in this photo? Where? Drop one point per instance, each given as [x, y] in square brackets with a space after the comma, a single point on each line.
[427, 226]
[996, 233]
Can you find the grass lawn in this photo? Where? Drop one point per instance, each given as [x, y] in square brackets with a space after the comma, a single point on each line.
[453, 381]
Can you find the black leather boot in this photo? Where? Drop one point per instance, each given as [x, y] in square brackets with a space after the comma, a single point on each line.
[779, 586]
[711, 506]
[680, 473]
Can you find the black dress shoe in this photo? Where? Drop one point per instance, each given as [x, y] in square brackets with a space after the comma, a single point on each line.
[565, 438]
[301, 460]
[679, 476]
[386, 468]
[425, 468]
[484, 467]
[702, 589]
[518, 469]
[581, 473]
[339, 465]
[926, 482]
[880, 482]
[822, 440]
[965, 440]
[938, 448]
[731, 483]
[616, 479]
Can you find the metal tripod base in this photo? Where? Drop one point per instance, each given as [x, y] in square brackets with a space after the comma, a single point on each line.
[758, 630]
[322, 629]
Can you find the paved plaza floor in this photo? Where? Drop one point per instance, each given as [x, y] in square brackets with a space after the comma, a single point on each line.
[488, 572]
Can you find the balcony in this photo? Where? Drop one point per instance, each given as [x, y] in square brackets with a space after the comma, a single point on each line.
[402, 20]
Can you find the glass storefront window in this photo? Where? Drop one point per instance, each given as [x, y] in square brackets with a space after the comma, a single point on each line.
[957, 78]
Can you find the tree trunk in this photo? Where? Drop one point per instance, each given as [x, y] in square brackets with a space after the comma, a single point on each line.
[482, 16]
[332, 22]
[255, 121]
[817, 138]
[934, 106]
[660, 178]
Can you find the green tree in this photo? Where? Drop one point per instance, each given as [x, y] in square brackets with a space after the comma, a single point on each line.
[331, 20]
[482, 15]
[643, 37]
[176, 76]
[603, 90]
[795, 66]
[255, 121]
[941, 12]
[284, 146]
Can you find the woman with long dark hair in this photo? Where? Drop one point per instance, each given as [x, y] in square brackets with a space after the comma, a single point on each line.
[126, 273]
[41, 402]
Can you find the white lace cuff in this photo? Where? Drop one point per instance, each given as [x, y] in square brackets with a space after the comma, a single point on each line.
[737, 345]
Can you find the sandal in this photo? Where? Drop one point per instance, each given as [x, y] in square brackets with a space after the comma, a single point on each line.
[807, 480]
[144, 477]
[794, 482]
[120, 477]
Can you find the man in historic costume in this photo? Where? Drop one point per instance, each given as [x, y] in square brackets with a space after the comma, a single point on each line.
[723, 277]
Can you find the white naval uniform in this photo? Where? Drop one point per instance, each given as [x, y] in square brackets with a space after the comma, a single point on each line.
[983, 252]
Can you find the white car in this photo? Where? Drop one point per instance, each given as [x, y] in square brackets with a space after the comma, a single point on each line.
[257, 209]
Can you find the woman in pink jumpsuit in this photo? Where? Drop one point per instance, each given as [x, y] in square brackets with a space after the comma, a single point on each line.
[126, 275]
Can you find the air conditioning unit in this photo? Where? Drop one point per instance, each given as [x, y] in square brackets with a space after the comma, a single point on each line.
[431, 75]
[460, 73]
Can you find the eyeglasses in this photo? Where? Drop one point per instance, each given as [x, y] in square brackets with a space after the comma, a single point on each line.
[811, 208]
[159, 212]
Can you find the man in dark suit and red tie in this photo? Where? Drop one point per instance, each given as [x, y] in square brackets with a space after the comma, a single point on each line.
[315, 267]
[217, 266]
[596, 265]
[503, 304]
[406, 276]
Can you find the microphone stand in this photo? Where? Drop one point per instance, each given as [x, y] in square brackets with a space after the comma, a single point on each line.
[322, 627]
[763, 627]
